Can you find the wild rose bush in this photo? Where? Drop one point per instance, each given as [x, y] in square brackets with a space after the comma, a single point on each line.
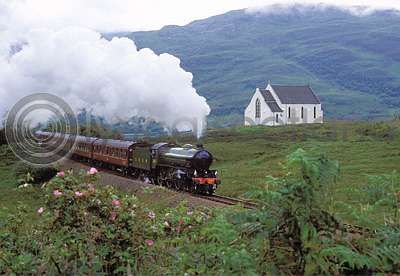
[83, 228]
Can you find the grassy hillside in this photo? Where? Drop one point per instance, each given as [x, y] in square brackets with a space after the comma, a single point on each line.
[352, 62]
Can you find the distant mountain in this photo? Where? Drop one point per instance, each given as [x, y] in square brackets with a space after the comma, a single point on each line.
[352, 62]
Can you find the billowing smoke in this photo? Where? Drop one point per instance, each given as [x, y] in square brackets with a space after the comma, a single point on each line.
[113, 78]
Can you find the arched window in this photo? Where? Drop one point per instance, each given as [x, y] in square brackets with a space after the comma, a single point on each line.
[277, 118]
[258, 108]
[289, 111]
[302, 112]
[315, 112]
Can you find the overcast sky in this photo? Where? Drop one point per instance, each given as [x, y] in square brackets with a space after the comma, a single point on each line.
[116, 15]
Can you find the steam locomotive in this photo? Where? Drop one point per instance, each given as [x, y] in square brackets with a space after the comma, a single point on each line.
[179, 167]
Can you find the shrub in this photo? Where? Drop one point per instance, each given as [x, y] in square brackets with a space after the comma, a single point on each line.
[83, 229]
[386, 130]
[3, 140]
[300, 236]
[6, 155]
[28, 174]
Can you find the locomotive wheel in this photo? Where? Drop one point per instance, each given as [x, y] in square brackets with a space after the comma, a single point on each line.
[162, 178]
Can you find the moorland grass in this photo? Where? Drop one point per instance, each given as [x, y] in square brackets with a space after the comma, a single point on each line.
[245, 156]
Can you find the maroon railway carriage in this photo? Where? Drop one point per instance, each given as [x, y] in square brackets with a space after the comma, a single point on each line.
[83, 148]
[113, 152]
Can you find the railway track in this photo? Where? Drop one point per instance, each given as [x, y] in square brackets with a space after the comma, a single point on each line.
[229, 201]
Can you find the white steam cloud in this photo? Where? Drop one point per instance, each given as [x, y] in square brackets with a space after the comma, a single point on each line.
[112, 79]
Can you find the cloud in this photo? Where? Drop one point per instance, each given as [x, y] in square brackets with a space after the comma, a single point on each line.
[112, 78]
[134, 15]
[55, 46]
[362, 8]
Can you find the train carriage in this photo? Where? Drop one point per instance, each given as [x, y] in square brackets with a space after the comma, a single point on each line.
[114, 152]
[83, 147]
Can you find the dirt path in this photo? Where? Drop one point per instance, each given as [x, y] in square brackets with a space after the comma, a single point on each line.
[147, 192]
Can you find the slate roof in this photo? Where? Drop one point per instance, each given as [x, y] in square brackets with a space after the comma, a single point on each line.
[295, 94]
[270, 101]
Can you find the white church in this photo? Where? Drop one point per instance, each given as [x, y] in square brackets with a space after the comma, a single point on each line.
[283, 105]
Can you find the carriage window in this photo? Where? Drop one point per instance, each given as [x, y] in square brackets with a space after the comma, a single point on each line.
[277, 118]
[315, 112]
[289, 112]
[302, 112]
[258, 108]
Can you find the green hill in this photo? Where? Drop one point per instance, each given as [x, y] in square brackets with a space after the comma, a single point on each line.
[352, 62]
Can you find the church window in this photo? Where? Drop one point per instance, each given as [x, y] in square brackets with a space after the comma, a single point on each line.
[258, 108]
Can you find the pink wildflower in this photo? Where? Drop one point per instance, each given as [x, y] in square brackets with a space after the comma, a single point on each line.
[79, 194]
[113, 215]
[149, 242]
[40, 210]
[181, 222]
[57, 193]
[93, 171]
[151, 215]
[116, 203]
[61, 174]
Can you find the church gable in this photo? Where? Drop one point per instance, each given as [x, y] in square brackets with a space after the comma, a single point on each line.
[270, 101]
